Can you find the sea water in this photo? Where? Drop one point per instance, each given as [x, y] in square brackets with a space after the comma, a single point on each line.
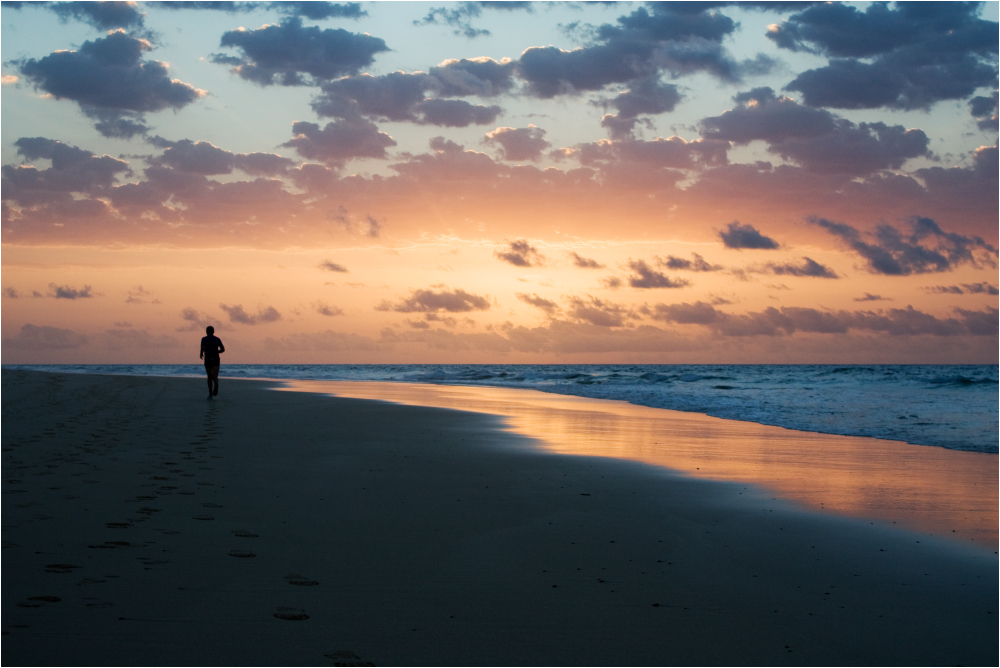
[950, 406]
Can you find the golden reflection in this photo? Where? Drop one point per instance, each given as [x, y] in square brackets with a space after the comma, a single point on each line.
[929, 489]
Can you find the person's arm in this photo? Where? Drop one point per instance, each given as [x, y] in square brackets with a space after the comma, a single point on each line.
[222, 348]
[201, 355]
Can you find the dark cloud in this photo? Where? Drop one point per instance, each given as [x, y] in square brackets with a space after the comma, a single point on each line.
[550, 307]
[740, 236]
[669, 153]
[788, 320]
[585, 262]
[311, 9]
[67, 292]
[429, 301]
[332, 266]
[11, 293]
[809, 267]
[915, 54]
[518, 144]
[326, 309]
[660, 37]
[926, 249]
[481, 76]
[102, 15]
[984, 110]
[647, 277]
[871, 298]
[339, 141]
[72, 170]
[964, 289]
[520, 254]
[196, 321]
[109, 80]
[263, 315]
[201, 157]
[697, 263]
[399, 96]
[291, 54]
[815, 138]
[646, 95]
[461, 14]
[35, 337]
[598, 312]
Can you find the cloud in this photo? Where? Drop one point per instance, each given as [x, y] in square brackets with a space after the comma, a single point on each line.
[926, 249]
[907, 57]
[291, 54]
[655, 163]
[520, 254]
[741, 236]
[101, 15]
[136, 339]
[964, 289]
[429, 301]
[598, 312]
[483, 76]
[518, 144]
[202, 157]
[585, 262]
[339, 141]
[809, 267]
[815, 138]
[650, 278]
[788, 320]
[109, 80]
[11, 293]
[327, 341]
[196, 321]
[325, 309]
[263, 315]
[645, 95]
[549, 307]
[66, 292]
[460, 15]
[140, 295]
[327, 265]
[698, 263]
[871, 298]
[72, 170]
[984, 110]
[34, 337]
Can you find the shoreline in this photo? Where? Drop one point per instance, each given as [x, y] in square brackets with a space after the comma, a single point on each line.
[395, 535]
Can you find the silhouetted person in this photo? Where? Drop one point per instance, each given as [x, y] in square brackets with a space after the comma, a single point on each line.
[211, 348]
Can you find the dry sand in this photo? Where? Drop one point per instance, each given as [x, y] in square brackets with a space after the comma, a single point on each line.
[144, 525]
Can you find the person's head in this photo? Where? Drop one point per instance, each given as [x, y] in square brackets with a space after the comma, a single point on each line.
[210, 330]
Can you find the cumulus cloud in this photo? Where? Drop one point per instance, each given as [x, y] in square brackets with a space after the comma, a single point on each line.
[202, 157]
[310, 9]
[101, 15]
[67, 292]
[196, 321]
[111, 82]
[646, 277]
[906, 57]
[809, 267]
[461, 14]
[737, 235]
[869, 297]
[585, 262]
[431, 301]
[964, 289]
[483, 76]
[984, 110]
[339, 141]
[926, 249]
[518, 144]
[140, 295]
[815, 138]
[520, 254]
[787, 320]
[72, 170]
[291, 54]
[636, 160]
[327, 265]
[325, 309]
[263, 315]
[35, 337]
[11, 293]
[548, 306]
[598, 312]
[645, 95]
[697, 263]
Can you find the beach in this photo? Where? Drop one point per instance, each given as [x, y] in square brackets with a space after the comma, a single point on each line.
[144, 525]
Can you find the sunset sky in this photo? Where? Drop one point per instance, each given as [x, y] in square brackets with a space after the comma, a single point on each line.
[500, 182]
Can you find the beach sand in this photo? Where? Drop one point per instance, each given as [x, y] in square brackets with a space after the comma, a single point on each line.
[144, 525]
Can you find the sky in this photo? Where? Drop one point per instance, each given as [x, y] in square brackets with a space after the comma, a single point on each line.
[509, 182]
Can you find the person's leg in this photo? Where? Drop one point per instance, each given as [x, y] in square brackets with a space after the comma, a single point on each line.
[208, 373]
[214, 380]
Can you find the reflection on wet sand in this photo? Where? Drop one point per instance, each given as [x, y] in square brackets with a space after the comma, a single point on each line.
[929, 489]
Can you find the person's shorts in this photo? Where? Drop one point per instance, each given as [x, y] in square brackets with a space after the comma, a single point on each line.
[212, 364]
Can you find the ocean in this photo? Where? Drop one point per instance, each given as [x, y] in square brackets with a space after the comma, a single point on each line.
[949, 406]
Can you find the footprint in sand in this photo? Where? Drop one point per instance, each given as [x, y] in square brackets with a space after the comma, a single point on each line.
[244, 534]
[60, 568]
[45, 599]
[291, 614]
[118, 525]
[243, 554]
[210, 505]
[300, 580]
[203, 517]
[345, 657]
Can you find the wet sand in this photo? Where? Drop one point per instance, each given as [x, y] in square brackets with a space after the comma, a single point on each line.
[144, 525]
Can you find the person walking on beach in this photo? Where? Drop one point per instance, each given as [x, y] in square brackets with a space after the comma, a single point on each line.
[211, 348]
